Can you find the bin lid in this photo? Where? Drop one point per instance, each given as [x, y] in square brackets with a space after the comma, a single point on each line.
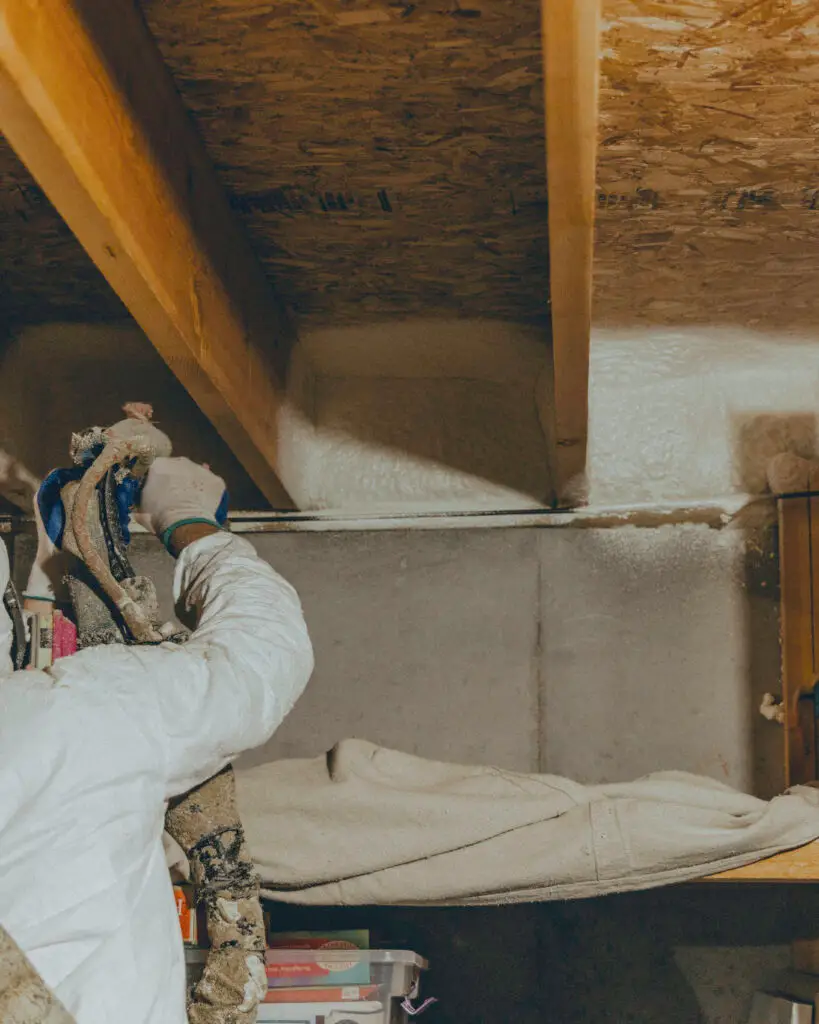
[399, 957]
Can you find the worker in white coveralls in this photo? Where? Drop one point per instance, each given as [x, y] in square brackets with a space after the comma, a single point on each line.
[92, 750]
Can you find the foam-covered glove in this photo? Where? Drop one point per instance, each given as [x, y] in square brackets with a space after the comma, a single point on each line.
[178, 492]
[137, 425]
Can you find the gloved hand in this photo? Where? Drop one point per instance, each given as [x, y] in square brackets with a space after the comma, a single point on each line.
[138, 424]
[178, 492]
[51, 521]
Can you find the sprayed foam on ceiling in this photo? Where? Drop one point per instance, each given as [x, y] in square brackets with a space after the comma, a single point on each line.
[435, 415]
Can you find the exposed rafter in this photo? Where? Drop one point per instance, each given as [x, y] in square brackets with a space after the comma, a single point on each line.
[89, 106]
[571, 58]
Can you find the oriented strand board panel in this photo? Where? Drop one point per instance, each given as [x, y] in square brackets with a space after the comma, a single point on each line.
[708, 188]
[385, 155]
[45, 274]
[87, 103]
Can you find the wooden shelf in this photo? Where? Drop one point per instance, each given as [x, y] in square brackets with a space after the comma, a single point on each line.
[800, 865]
[799, 625]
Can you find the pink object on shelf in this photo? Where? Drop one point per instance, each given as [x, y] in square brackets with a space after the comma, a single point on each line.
[64, 637]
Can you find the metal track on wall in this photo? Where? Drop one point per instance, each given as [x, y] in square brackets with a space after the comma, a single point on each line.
[717, 515]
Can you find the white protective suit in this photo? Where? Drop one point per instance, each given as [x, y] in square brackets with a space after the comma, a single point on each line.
[91, 751]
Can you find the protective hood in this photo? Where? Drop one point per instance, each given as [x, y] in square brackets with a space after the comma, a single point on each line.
[6, 632]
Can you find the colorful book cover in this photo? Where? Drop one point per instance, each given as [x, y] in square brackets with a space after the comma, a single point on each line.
[186, 912]
[335, 969]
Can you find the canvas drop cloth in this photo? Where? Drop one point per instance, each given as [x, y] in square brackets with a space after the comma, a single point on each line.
[366, 825]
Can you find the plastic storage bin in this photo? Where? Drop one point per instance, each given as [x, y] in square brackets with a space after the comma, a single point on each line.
[194, 965]
[307, 986]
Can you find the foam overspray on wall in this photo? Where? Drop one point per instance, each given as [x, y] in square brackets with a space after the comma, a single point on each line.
[694, 415]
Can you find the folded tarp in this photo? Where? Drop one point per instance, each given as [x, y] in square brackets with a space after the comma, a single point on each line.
[366, 825]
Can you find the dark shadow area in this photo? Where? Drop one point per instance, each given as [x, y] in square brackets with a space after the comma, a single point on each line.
[689, 955]
[761, 577]
[686, 955]
[77, 376]
[45, 274]
[485, 963]
[50, 387]
[757, 438]
[484, 428]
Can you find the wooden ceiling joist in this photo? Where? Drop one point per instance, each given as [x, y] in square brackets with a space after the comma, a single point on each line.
[571, 58]
[90, 108]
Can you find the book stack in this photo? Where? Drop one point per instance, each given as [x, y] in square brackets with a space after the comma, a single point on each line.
[320, 978]
[193, 925]
[188, 914]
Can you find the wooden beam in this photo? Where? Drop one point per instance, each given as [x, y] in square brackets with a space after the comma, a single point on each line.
[87, 103]
[797, 631]
[570, 55]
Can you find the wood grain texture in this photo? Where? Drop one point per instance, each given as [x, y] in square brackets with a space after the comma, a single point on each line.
[385, 156]
[708, 194]
[800, 865]
[45, 274]
[570, 50]
[87, 104]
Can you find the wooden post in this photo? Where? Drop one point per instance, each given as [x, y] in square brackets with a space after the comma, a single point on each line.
[798, 560]
[570, 55]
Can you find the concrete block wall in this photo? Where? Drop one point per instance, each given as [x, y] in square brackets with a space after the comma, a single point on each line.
[601, 654]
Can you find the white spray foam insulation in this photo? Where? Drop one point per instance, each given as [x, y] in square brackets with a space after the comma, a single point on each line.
[695, 415]
[449, 415]
[425, 415]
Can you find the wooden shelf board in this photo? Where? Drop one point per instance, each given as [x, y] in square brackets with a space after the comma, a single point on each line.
[800, 865]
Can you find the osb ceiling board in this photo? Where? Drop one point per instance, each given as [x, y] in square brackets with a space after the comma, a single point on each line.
[44, 271]
[708, 198]
[387, 156]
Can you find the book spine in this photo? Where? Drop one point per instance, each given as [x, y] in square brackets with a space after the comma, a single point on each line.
[343, 994]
